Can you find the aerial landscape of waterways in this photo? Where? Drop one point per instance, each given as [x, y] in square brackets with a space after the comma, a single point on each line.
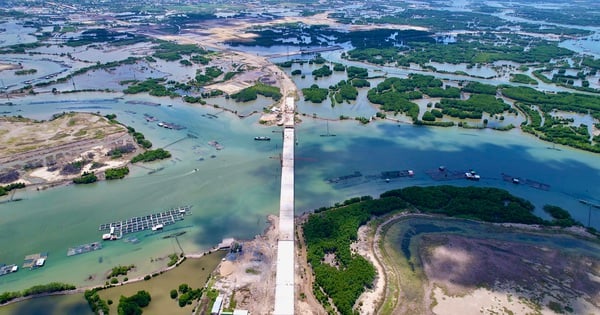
[231, 182]
[55, 219]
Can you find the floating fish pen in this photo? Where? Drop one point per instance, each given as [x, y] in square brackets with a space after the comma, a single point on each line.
[150, 222]
[145, 103]
[396, 174]
[336, 180]
[35, 261]
[168, 125]
[443, 173]
[525, 181]
[85, 248]
[6, 269]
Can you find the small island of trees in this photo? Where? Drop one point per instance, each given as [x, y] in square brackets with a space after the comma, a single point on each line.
[116, 173]
[151, 155]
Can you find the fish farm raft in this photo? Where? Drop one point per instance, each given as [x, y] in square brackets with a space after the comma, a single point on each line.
[136, 224]
[85, 248]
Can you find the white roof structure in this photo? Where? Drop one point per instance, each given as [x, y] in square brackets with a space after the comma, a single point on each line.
[216, 308]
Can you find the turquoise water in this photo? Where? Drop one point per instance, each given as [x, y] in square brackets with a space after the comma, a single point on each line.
[232, 193]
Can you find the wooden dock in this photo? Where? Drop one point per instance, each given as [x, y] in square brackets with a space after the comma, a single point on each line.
[137, 224]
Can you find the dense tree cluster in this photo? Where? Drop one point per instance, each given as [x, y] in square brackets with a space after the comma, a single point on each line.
[537, 105]
[522, 78]
[394, 94]
[474, 107]
[331, 232]
[153, 86]
[344, 91]
[5, 189]
[486, 204]
[480, 88]
[116, 173]
[580, 103]
[315, 94]
[360, 83]
[210, 73]
[139, 138]
[448, 92]
[133, 305]
[324, 71]
[37, 289]
[357, 72]
[98, 305]
[86, 178]
[251, 93]
[186, 294]
[560, 216]
[151, 155]
[172, 51]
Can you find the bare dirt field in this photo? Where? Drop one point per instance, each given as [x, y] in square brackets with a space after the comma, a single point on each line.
[250, 277]
[9, 66]
[38, 151]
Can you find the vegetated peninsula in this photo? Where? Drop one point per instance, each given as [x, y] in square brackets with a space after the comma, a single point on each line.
[334, 241]
[61, 149]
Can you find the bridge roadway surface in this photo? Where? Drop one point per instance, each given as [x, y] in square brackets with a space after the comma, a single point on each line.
[284, 281]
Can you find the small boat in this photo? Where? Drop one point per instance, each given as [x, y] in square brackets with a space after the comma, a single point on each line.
[411, 173]
[472, 176]
[262, 138]
[442, 168]
[515, 180]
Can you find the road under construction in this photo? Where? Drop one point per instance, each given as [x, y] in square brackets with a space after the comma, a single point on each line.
[284, 280]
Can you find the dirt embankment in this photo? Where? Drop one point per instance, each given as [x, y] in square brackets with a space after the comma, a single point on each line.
[250, 276]
[41, 153]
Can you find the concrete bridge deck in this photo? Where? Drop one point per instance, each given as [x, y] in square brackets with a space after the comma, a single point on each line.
[284, 281]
